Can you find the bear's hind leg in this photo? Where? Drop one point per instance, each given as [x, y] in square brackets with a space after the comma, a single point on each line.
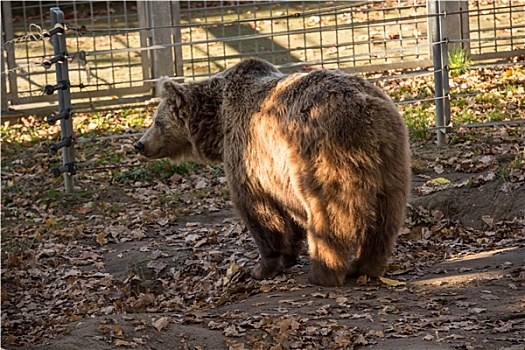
[375, 246]
[324, 273]
[371, 256]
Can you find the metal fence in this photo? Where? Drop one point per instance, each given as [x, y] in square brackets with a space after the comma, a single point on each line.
[129, 44]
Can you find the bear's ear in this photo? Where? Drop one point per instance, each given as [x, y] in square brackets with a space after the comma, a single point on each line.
[172, 91]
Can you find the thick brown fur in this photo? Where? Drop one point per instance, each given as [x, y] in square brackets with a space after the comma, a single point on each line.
[321, 155]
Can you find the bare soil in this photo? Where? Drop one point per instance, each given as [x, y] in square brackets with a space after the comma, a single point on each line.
[456, 280]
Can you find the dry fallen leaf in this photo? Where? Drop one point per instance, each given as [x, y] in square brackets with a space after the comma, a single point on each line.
[161, 323]
[232, 269]
[118, 331]
[101, 238]
[391, 282]
[362, 280]
[125, 344]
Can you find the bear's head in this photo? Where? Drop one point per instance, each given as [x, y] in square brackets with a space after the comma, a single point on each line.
[169, 135]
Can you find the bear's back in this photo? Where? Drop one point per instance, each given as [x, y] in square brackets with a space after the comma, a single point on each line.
[322, 104]
[249, 70]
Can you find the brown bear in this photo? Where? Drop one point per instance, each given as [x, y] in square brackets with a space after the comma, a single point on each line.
[322, 155]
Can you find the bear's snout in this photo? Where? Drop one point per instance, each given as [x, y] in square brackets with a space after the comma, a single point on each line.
[139, 147]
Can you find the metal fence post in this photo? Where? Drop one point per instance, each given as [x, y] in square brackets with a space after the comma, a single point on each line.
[440, 59]
[64, 96]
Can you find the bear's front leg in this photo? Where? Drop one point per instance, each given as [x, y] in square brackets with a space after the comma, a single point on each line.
[269, 226]
[268, 267]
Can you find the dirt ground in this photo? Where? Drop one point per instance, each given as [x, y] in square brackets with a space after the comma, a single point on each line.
[469, 303]
[456, 280]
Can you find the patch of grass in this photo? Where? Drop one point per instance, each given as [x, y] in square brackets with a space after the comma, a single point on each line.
[165, 169]
[495, 115]
[114, 208]
[503, 173]
[169, 198]
[518, 162]
[418, 118]
[138, 268]
[458, 60]
[464, 117]
[137, 174]
[458, 102]
[201, 194]
[136, 119]
[488, 98]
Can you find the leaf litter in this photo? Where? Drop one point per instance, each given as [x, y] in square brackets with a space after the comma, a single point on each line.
[143, 261]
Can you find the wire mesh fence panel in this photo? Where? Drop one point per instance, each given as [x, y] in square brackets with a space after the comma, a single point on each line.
[96, 69]
[129, 44]
[304, 35]
[496, 27]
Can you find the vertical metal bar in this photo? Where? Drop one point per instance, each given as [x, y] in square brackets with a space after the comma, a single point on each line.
[272, 41]
[128, 55]
[255, 41]
[64, 96]
[224, 50]
[337, 33]
[43, 24]
[95, 59]
[400, 31]
[305, 39]
[478, 17]
[352, 38]
[321, 48]
[28, 74]
[288, 38]
[385, 34]
[177, 38]
[494, 11]
[110, 42]
[3, 93]
[437, 55]
[142, 11]
[511, 27]
[369, 34]
[207, 34]
[192, 47]
[239, 30]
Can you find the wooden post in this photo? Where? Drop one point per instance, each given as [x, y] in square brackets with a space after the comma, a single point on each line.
[162, 59]
[457, 23]
[7, 23]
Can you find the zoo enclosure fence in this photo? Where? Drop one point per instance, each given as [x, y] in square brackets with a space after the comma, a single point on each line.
[129, 44]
